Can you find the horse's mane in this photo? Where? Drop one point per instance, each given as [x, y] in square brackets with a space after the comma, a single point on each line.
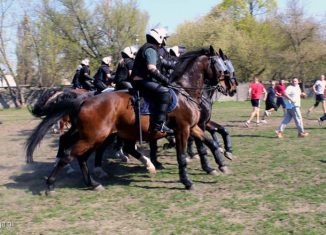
[186, 60]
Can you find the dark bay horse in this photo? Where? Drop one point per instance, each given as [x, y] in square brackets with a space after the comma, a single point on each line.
[100, 116]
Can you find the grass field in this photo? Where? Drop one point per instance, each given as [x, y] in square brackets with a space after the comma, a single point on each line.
[277, 186]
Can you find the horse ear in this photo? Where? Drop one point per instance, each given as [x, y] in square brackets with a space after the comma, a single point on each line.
[211, 50]
[221, 54]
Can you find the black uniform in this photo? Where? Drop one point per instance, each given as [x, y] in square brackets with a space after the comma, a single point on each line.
[85, 79]
[153, 84]
[122, 77]
[101, 80]
[75, 80]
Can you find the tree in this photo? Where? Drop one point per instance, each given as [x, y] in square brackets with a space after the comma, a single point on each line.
[6, 64]
[24, 53]
[302, 46]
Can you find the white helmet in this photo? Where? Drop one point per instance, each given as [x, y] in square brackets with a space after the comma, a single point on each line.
[130, 51]
[85, 62]
[175, 50]
[159, 34]
[107, 60]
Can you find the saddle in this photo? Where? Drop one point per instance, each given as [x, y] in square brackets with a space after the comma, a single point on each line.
[146, 106]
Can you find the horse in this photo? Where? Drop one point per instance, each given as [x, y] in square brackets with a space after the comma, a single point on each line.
[211, 126]
[98, 117]
[206, 123]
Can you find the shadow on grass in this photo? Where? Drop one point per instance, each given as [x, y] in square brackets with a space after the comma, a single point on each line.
[34, 176]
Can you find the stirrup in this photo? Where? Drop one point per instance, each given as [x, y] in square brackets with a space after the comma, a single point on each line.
[162, 128]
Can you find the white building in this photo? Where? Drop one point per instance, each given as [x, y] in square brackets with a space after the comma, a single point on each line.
[10, 80]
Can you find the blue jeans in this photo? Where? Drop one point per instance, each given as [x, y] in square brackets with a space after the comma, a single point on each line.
[294, 113]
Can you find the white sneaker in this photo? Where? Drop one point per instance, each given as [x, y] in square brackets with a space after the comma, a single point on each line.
[263, 121]
[246, 123]
[267, 113]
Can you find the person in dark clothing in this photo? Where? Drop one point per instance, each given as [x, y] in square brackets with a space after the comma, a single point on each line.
[102, 78]
[270, 103]
[75, 80]
[84, 78]
[124, 69]
[150, 81]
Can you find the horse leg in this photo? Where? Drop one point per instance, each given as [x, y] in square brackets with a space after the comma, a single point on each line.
[98, 170]
[181, 144]
[66, 141]
[89, 181]
[227, 141]
[214, 147]
[130, 149]
[153, 155]
[190, 151]
[203, 157]
[63, 161]
[212, 128]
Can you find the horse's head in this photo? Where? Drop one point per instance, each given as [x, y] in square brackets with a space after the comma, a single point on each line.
[230, 79]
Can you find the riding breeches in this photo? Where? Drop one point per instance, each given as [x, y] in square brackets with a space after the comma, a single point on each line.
[159, 95]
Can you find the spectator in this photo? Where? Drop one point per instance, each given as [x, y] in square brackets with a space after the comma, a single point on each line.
[256, 89]
[293, 102]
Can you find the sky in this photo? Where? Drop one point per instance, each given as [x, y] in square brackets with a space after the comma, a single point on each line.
[170, 13]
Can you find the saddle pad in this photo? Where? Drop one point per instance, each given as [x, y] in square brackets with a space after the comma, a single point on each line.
[146, 106]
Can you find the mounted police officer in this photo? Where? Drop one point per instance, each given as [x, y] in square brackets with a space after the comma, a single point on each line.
[84, 78]
[124, 69]
[148, 79]
[75, 81]
[102, 78]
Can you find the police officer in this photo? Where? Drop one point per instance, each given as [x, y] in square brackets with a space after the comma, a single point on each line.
[84, 78]
[124, 69]
[148, 79]
[75, 80]
[102, 77]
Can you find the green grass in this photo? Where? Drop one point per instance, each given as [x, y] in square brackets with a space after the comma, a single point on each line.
[277, 187]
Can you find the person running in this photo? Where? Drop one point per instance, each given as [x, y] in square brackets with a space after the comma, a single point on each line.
[255, 91]
[270, 105]
[319, 88]
[293, 95]
[279, 91]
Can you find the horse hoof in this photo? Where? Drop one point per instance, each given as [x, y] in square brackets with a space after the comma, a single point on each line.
[100, 173]
[213, 172]
[159, 166]
[50, 193]
[229, 156]
[225, 170]
[190, 187]
[151, 169]
[99, 188]
[195, 157]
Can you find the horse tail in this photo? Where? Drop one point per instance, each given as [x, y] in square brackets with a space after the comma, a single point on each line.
[58, 110]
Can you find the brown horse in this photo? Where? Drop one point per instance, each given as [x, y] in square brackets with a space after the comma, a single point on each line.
[100, 116]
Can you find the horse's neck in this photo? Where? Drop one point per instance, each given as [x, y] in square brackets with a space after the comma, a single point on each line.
[193, 84]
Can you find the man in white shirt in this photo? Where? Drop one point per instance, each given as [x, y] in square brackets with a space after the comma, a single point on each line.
[293, 102]
[319, 88]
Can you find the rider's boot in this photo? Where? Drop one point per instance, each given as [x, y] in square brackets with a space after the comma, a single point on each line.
[159, 120]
